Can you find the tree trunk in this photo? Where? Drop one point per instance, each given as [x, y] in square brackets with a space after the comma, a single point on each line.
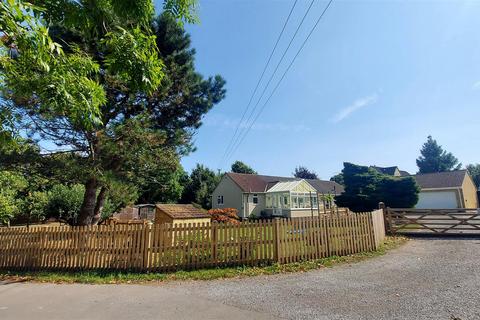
[87, 209]
[97, 213]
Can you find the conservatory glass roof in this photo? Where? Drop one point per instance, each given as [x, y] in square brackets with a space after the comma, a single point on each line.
[294, 186]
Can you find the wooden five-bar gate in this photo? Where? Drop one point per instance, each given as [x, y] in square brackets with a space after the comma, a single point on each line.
[188, 246]
[434, 221]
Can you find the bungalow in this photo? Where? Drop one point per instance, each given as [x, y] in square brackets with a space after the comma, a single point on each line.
[257, 195]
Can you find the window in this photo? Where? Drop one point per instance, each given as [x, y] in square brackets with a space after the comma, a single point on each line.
[268, 201]
[295, 201]
[301, 203]
[255, 198]
[304, 200]
[220, 200]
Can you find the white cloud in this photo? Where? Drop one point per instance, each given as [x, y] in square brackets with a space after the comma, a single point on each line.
[476, 85]
[223, 122]
[357, 104]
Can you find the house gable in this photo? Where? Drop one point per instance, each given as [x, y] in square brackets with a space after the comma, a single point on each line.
[228, 194]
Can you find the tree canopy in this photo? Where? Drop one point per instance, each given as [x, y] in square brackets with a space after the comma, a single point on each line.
[115, 91]
[474, 172]
[338, 178]
[303, 173]
[365, 188]
[434, 159]
[240, 167]
[200, 185]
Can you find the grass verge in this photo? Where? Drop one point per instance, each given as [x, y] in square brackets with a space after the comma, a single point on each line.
[113, 277]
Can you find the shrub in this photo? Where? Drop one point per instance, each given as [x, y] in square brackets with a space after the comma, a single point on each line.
[227, 215]
[65, 201]
[11, 186]
[35, 206]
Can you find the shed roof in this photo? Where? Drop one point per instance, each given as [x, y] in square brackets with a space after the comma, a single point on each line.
[449, 179]
[182, 211]
[261, 183]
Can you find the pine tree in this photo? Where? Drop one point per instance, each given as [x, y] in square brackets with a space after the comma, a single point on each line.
[241, 167]
[123, 98]
[303, 173]
[434, 159]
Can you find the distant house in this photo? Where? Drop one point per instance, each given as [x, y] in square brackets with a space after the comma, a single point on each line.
[180, 214]
[257, 195]
[446, 190]
[391, 171]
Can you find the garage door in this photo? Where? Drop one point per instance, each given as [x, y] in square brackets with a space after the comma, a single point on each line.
[437, 200]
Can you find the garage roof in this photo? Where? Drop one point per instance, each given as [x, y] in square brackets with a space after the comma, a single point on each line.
[449, 179]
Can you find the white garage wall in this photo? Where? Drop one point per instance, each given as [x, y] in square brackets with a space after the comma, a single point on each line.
[437, 200]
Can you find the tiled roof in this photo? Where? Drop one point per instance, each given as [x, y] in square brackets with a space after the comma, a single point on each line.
[182, 211]
[385, 170]
[260, 183]
[404, 173]
[323, 186]
[449, 179]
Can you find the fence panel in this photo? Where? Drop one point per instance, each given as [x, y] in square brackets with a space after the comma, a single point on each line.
[189, 246]
[437, 221]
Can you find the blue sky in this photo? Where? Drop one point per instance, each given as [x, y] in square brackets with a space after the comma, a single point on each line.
[374, 80]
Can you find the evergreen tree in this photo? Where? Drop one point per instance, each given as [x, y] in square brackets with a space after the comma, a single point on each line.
[474, 172]
[123, 101]
[200, 186]
[338, 178]
[303, 173]
[434, 159]
[365, 188]
[240, 167]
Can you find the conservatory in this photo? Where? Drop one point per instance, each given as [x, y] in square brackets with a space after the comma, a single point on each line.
[295, 198]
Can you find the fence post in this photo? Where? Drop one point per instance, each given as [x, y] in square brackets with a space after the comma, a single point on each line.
[146, 245]
[382, 207]
[214, 242]
[276, 240]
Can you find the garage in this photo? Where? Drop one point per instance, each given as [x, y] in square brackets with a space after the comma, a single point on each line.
[437, 200]
[446, 190]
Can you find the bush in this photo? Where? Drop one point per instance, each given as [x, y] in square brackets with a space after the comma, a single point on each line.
[65, 201]
[227, 215]
[11, 186]
[34, 206]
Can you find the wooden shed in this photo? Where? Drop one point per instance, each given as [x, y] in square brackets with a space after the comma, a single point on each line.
[180, 214]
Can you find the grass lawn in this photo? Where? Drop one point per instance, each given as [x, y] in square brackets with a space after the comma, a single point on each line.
[107, 277]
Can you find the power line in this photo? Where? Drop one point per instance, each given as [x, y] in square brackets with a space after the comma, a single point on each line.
[273, 74]
[283, 76]
[230, 144]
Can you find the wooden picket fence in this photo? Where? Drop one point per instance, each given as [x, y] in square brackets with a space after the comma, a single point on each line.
[189, 246]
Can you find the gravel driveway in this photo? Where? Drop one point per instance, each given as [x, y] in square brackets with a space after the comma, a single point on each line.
[424, 279]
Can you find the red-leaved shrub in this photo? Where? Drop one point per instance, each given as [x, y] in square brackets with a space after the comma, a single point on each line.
[227, 215]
